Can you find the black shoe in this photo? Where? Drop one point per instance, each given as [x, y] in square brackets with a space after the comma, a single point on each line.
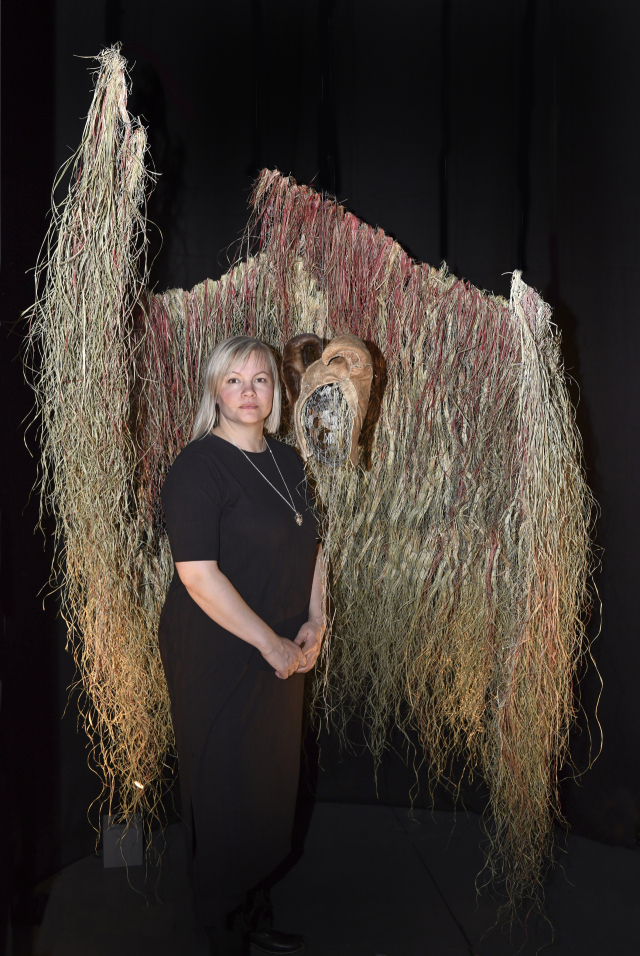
[275, 943]
[262, 937]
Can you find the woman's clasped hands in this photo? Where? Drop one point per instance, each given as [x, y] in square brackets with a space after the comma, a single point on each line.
[284, 656]
[295, 657]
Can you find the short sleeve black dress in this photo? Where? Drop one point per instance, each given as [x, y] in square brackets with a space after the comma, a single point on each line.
[237, 725]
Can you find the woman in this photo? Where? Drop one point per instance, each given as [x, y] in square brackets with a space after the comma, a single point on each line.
[241, 625]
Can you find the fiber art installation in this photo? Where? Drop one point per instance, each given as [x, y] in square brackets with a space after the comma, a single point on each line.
[438, 434]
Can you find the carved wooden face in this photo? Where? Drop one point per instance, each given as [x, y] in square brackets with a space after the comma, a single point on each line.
[330, 395]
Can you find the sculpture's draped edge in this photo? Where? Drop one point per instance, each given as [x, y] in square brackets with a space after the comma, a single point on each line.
[90, 279]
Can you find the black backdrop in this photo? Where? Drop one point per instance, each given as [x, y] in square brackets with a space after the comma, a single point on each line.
[497, 134]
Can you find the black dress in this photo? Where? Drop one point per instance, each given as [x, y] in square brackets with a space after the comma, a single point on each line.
[237, 725]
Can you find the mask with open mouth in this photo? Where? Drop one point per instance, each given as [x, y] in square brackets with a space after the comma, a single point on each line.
[329, 389]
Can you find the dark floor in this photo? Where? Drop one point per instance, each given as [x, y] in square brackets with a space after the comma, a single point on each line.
[373, 881]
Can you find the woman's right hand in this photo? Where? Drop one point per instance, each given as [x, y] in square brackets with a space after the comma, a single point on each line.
[284, 656]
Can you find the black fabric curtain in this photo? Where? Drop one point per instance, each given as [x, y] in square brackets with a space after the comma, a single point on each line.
[496, 136]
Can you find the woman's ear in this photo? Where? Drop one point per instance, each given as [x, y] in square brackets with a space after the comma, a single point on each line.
[299, 353]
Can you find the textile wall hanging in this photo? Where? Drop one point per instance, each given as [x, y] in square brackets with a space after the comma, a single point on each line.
[456, 514]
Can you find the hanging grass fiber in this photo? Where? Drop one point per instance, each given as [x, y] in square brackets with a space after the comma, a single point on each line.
[82, 336]
[459, 545]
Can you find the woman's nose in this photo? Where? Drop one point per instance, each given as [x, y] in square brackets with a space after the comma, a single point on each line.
[249, 389]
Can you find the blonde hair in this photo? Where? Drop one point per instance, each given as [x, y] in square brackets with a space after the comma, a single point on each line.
[236, 349]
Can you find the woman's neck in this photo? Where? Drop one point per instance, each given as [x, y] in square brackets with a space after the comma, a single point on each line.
[249, 437]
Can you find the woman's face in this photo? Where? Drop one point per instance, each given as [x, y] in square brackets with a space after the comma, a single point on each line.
[246, 393]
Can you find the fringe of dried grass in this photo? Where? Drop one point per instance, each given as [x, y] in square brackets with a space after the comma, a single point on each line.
[90, 276]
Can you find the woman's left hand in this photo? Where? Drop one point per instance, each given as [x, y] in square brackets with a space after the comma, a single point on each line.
[309, 640]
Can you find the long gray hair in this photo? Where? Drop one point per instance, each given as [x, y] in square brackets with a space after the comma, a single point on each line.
[236, 349]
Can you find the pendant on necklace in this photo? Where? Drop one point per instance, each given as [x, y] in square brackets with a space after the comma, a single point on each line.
[298, 518]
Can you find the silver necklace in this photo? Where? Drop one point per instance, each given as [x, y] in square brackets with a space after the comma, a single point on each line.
[298, 516]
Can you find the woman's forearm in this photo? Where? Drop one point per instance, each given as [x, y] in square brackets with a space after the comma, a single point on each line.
[215, 594]
[317, 610]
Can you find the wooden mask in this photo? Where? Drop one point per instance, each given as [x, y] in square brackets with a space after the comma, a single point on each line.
[332, 396]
